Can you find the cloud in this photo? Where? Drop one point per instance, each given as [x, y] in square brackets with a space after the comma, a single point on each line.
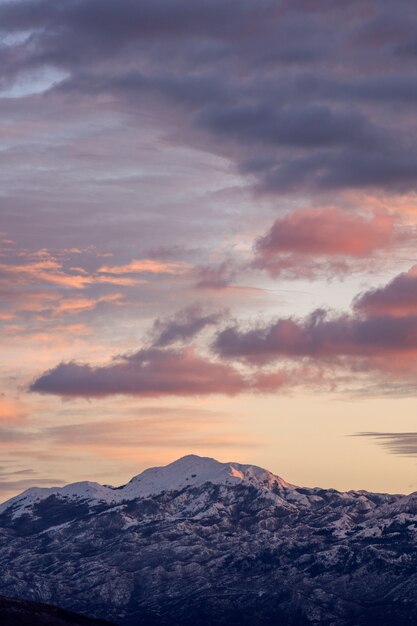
[10, 485]
[216, 276]
[402, 444]
[312, 351]
[398, 298]
[70, 306]
[37, 287]
[147, 373]
[321, 336]
[158, 372]
[185, 325]
[143, 266]
[313, 241]
[45, 268]
[15, 481]
[157, 430]
[294, 95]
[377, 341]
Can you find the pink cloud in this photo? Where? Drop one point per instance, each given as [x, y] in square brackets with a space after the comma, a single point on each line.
[152, 372]
[378, 337]
[326, 240]
[322, 337]
[70, 306]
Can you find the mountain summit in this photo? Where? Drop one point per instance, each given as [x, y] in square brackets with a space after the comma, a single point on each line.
[193, 470]
[188, 471]
[212, 543]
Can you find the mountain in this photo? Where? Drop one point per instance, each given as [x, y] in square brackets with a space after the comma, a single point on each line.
[209, 543]
[23, 613]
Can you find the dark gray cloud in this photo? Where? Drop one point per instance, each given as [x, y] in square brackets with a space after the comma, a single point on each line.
[294, 125]
[299, 96]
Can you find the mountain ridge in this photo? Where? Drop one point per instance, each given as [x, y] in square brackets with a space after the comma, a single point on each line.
[184, 472]
[233, 544]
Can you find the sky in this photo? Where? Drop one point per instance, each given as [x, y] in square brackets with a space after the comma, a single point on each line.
[208, 235]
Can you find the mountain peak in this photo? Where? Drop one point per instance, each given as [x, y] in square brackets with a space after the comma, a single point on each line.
[193, 470]
[188, 471]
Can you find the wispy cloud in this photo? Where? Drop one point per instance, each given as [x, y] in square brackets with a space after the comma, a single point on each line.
[184, 325]
[145, 266]
[402, 444]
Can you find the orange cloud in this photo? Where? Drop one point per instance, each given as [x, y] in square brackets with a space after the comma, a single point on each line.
[77, 305]
[404, 204]
[50, 270]
[151, 266]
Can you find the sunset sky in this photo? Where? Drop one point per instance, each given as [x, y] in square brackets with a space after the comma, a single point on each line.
[208, 239]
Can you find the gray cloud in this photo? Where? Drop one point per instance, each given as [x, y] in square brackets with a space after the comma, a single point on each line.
[13, 480]
[320, 336]
[216, 276]
[398, 297]
[288, 123]
[402, 444]
[185, 325]
[20, 485]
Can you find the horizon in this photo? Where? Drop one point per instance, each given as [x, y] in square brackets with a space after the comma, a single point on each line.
[208, 240]
[176, 461]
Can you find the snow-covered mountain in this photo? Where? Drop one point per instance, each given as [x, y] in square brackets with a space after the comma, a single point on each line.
[188, 471]
[203, 542]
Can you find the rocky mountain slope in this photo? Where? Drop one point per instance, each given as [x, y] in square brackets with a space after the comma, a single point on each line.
[23, 613]
[202, 542]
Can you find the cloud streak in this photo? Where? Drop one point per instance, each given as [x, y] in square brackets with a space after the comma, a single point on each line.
[401, 444]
